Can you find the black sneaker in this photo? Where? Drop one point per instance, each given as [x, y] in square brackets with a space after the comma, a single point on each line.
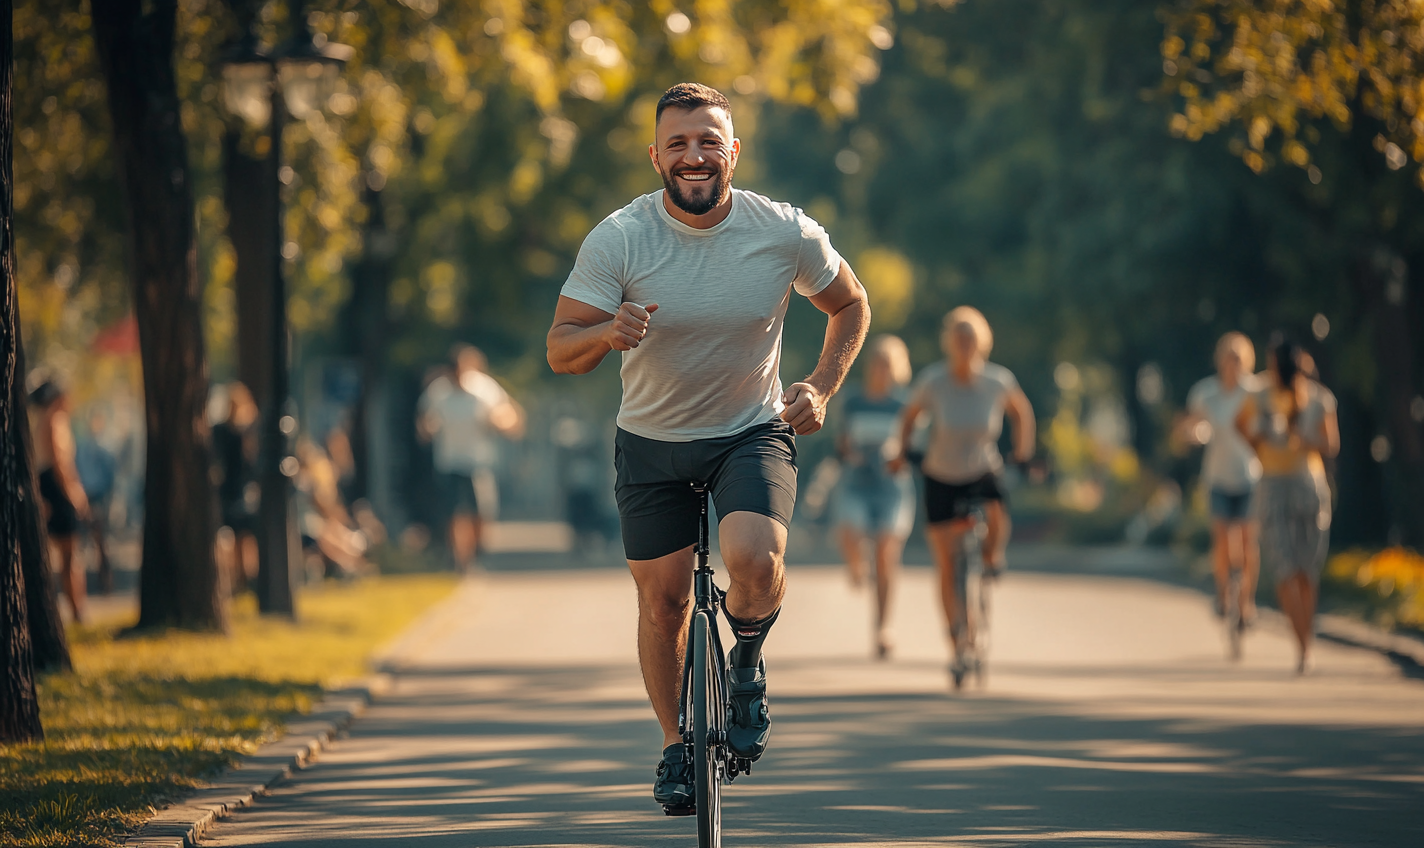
[749, 728]
[673, 786]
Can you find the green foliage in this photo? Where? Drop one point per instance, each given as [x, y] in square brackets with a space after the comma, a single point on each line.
[489, 124]
[1285, 64]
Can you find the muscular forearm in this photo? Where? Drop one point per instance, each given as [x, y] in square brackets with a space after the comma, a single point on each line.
[845, 333]
[578, 350]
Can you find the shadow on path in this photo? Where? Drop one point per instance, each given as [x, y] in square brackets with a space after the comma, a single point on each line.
[562, 756]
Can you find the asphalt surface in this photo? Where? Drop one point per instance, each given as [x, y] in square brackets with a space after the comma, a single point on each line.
[1110, 717]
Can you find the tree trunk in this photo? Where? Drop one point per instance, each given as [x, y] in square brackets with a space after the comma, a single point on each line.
[19, 704]
[1386, 284]
[50, 649]
[179, 583]
[250, 194]
[367, 329]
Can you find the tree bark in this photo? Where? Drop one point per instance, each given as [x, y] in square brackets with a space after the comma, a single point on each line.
[250, 195]
[179, 583]
[47, 641]
[1384, 281]
[19, 703]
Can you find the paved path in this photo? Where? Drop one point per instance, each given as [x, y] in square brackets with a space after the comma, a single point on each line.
[1111, 718]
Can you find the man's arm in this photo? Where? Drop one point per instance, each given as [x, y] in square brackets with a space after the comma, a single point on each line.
[1020, 413]
[845, 302]
[582, 334]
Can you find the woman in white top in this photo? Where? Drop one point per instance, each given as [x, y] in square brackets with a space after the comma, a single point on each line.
[965, 399]
[1229, 467]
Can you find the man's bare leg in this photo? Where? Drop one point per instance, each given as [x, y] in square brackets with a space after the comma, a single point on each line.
[664, 605]
[754, 550]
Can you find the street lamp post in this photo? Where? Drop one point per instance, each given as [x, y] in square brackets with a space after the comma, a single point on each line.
[263, 89]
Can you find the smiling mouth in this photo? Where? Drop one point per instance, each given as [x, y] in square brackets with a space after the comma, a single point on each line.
[695, 176]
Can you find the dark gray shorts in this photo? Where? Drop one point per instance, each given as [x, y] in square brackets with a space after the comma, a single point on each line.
[750, 471]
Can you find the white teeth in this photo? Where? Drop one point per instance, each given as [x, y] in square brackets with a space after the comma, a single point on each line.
[695, 177]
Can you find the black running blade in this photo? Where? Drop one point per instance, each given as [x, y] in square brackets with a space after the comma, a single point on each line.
[671, 810]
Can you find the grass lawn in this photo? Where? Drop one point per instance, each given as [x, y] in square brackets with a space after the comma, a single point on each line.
[142, 720]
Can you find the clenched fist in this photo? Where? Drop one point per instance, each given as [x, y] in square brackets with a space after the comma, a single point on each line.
[805, 408]
[629, 326]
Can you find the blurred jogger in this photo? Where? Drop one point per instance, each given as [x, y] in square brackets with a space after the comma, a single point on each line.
[1230, 468]
[966, 398]
[462, 414]
[65, 503]
[1291, 423]
[239, 494]
[873, 503]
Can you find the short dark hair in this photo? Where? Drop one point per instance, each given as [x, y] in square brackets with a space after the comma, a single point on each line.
[692, 95]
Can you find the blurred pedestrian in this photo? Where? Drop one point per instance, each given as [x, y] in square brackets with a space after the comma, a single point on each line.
[966, 398]
[1230, 468]
[235, 445]
[1291, 424]
[65, 504]
[97, 468]
[463, 413]
[872, 503]
[327, 525]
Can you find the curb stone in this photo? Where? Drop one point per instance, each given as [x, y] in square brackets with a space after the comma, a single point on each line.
[182, 825]
[1401, 649]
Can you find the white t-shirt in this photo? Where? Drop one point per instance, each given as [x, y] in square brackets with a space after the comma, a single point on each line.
[710, 363]
[1228, 463]
[965, 421]
[459, 414]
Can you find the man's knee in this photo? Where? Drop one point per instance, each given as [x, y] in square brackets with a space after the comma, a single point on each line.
[667, 614]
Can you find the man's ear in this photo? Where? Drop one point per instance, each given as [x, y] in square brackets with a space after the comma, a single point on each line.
[653, 155]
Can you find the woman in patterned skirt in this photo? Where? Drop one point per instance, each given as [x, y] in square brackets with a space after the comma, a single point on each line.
[1291, 424]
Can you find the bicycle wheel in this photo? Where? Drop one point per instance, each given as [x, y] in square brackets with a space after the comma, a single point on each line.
[708, 719]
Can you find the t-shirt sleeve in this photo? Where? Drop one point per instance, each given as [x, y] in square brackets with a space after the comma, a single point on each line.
[817, 263]
[1196, 398]
[920, 389]
[1004, 377]
[598, 274]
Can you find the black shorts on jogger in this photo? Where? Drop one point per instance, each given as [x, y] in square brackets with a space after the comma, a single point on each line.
[750, 471]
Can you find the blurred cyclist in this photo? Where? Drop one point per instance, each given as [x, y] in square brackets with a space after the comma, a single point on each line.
[1230, 468]
[872, 503]
[1291, 423]
[966, 398]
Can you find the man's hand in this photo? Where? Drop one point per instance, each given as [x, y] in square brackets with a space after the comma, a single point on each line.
[805, 408]
[629, 326]
[896, 463]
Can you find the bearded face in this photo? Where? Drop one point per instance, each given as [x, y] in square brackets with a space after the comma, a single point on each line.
[698, 189]
[696, 156]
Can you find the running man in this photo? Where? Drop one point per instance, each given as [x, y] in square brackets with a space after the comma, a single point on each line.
[461, 414]
[691, 285]
[966, 398]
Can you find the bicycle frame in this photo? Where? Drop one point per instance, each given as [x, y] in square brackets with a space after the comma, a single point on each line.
[706, 598]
